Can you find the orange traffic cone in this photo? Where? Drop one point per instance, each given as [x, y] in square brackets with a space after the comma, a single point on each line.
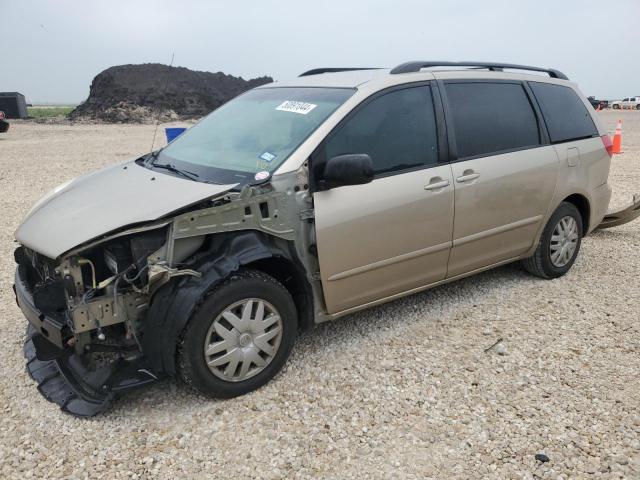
[617, 138]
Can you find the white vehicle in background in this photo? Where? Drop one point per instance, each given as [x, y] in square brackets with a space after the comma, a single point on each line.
[630, 102]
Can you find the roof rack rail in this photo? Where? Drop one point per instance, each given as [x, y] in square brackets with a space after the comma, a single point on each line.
[318, 71]
[409, 67]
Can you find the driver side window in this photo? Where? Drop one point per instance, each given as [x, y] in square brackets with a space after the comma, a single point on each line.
[397, 130]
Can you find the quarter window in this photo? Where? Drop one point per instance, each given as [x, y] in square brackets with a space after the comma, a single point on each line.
[564, 113]
[397, 130]
[490, 118]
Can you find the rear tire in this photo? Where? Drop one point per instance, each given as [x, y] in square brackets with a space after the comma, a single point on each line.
[559, 244]
[239, 337]
[616, 107]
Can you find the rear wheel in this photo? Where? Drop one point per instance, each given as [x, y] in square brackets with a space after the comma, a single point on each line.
[559, 244]
[638, 107]
[616, 107]
[239, 337]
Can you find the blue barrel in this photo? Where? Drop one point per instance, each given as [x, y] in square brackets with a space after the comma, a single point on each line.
[173, 133]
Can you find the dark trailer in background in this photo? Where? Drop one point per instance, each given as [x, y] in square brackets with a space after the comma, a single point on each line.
[13, 105]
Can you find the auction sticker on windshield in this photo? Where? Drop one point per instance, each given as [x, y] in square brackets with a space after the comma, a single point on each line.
[296, 107]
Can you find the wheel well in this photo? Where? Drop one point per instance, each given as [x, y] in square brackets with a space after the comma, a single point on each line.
[582, 204]
[294, 280]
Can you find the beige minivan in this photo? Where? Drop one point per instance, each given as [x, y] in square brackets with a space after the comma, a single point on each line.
[296, 203]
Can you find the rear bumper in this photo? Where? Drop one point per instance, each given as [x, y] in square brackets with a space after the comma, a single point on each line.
[622, 216]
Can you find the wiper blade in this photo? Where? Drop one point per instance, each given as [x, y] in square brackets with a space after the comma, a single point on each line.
[172, 168]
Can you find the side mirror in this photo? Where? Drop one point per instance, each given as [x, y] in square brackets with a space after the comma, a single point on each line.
[351, 169]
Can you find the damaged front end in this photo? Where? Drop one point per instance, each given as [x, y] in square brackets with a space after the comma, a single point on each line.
[84, 314]
[105, 316]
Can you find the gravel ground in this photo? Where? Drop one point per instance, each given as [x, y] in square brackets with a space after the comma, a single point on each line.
[405, 390]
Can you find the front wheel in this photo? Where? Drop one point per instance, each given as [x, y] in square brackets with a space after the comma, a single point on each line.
[559, 244]
[239, 337]
[616, 107]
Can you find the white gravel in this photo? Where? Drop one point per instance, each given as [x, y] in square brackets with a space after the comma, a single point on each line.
[405, 390]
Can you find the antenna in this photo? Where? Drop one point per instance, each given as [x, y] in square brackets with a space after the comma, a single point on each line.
[166, 83]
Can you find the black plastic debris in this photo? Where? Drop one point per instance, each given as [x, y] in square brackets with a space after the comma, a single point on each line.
[541, 457]
[66, 382]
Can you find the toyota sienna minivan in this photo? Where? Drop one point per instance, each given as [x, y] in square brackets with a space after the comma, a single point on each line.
[297, 203]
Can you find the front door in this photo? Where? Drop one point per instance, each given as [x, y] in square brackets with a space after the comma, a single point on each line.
[393, 234]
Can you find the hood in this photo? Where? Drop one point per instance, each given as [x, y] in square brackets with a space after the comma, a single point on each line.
[101, 202]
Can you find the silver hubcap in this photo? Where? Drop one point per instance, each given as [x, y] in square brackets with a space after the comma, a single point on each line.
[564, 241]
[243, 339]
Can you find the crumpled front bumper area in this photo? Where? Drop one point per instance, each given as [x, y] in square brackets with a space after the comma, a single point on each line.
[625, 215]
[58, 384]
[77, 390]
[63, 376]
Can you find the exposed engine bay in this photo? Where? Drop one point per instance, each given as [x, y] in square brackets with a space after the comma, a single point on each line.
[100, 291]
[105, 316]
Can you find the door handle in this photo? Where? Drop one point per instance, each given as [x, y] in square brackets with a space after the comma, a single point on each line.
[467, 176]
[436, 183]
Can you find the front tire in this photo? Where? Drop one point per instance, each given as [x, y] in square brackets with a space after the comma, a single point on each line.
[559, 244]
[239, 337]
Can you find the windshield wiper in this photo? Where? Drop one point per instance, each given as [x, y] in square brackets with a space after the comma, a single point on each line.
[172, 168]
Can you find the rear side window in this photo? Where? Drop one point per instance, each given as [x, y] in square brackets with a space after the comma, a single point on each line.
[491, 117]
[564, 113]
[397, 130]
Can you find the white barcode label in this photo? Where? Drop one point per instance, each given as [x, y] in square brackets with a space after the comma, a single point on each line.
[296, 107]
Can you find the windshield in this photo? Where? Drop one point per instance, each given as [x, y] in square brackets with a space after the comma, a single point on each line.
[246, 139]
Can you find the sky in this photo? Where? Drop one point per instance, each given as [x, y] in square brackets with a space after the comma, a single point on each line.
[53, 49]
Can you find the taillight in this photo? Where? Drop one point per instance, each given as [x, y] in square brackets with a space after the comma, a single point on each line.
[608, 144]
[1, 115]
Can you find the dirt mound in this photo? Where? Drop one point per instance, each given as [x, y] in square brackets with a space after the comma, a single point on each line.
[138, 93]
